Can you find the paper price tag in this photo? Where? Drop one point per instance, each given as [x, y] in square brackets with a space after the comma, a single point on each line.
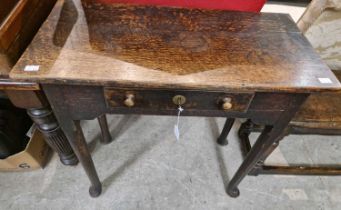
[176, 126]
[31, 68]
[177, 132]
[325, 80]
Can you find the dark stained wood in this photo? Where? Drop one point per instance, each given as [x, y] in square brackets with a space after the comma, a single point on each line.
[53, 135]
[100, 59]
[222, 139]
[103, 123]
[196, 100]
[265, 143]
[6, 8]
[302, 170]
[40, 112]
[8, 84]
[11, 25]
[173, 48]
[320, 114]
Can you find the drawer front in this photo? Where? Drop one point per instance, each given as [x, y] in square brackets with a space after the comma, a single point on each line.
[164, 100]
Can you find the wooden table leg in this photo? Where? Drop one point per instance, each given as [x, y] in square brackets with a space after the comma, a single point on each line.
[75, 136]
[54, 136]
[74, 133]
[40, 112]
[222, 139]
[243, 134]
[81, 148]
[264, 142]
[103, 124]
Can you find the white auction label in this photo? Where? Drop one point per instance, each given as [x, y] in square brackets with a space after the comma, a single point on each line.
[325, 80]
[31, 68]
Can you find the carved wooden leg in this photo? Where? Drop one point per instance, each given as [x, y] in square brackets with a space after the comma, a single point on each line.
[39, 110]
[222, 139]
[54, 136]
[103, 123]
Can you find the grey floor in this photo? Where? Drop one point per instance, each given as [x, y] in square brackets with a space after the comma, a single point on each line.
[146, 168]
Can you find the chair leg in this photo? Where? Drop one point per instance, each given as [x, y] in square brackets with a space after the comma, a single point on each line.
[103, 124]
[222, 139]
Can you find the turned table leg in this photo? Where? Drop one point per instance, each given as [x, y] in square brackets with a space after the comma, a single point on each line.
[54, 136]
[103, 124]
[40, 112]
[222, 139]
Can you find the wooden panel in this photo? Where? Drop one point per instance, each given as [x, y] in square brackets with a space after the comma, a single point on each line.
[173, 48]
[163, 99]
[321, 110]
[8, 84]
[18, 29]
[6, 8]
[27, 99]
[11, 26]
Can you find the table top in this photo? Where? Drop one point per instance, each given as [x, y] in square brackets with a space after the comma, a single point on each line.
[96, 44]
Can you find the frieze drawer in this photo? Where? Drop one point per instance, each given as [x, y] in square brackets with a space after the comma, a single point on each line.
[170, 99]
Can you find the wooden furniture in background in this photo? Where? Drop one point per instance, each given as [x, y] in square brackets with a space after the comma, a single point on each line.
[321, 113]
[135, 60]
[20, 20]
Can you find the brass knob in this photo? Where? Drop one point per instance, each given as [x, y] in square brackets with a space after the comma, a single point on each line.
[179, 100]
[129, 101]
[226, 103]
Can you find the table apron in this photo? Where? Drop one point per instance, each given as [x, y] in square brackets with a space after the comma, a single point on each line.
[89, 102]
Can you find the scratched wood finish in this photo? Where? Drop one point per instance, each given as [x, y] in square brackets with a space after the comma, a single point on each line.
[172, 48]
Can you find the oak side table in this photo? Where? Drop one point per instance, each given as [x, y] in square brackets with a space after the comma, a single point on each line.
[99, 58]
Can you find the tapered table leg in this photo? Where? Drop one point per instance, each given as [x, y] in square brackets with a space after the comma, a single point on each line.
[222, 139]
[254, 157]
[265, 144]
[73, 132]
[243, 134]
[103, 123]
[81, 148]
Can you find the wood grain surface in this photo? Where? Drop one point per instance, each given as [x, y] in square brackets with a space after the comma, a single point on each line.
[321, 110]
[120, 45]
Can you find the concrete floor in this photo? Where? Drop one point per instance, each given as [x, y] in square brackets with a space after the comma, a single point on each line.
[146, 168]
